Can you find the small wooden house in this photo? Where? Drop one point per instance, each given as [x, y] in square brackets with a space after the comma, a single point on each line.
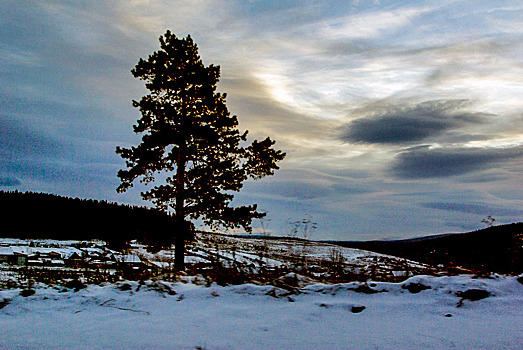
[130, 262]
[73, 260]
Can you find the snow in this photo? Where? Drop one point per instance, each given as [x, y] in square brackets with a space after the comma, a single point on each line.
[38, 242]
[292, 312]
[284, 252]
[129, 258]
[26, 250]
[185, 315]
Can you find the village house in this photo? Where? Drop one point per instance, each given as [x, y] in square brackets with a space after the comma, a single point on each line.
[6, 255]
[93, 256]
[130, 262]
[13, 255]
[74, 259]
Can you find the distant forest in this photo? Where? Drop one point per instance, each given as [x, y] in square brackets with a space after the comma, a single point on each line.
[40, 215]
[496, 248]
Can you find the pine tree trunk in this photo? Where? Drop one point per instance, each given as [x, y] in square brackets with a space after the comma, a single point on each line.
[179, 247]
[179, 242]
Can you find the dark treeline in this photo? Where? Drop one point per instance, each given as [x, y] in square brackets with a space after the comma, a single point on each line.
[494, 249]
[40, 215]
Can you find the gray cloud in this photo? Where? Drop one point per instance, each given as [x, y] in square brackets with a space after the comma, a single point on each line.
[425, 162]
[474, 209]
[17, 140]
[9, 181]
[307, 185]
[394, 124]
[47, 145]
[488, 53]
[58, 120]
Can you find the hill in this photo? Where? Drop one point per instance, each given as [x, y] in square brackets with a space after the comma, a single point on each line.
[494, 249]
[40, 215]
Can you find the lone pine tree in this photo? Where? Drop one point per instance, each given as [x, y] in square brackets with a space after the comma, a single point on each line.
[191, 148]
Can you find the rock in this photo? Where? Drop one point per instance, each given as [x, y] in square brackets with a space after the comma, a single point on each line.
[4, 302]
[356, 309]
[27, 292]
[162, 288]
[415, 287]
[292, 281]
[75, 284]
[365, 289]
[125, 287]
[279, 292]
[473, 294]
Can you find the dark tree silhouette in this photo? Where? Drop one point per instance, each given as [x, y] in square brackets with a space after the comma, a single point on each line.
[189, 134]
[42, 215]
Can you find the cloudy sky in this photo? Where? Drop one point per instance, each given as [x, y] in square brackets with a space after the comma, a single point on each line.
[399, 118]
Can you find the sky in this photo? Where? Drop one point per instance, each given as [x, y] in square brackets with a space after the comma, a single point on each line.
[399, 118]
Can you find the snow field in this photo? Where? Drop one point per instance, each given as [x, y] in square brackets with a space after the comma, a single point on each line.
[163, 315]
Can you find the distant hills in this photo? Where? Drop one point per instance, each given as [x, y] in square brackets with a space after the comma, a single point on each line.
[41, 215]
[494, 249]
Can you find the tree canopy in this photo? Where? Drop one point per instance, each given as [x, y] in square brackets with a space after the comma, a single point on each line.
[42, 215]
[190, 136]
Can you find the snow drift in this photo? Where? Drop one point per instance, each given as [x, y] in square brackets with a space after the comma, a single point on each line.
[422, 312]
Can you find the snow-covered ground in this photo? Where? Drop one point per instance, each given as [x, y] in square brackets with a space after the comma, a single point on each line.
[245, 251]
[420, 313]
[241, 252]
[293, 312]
